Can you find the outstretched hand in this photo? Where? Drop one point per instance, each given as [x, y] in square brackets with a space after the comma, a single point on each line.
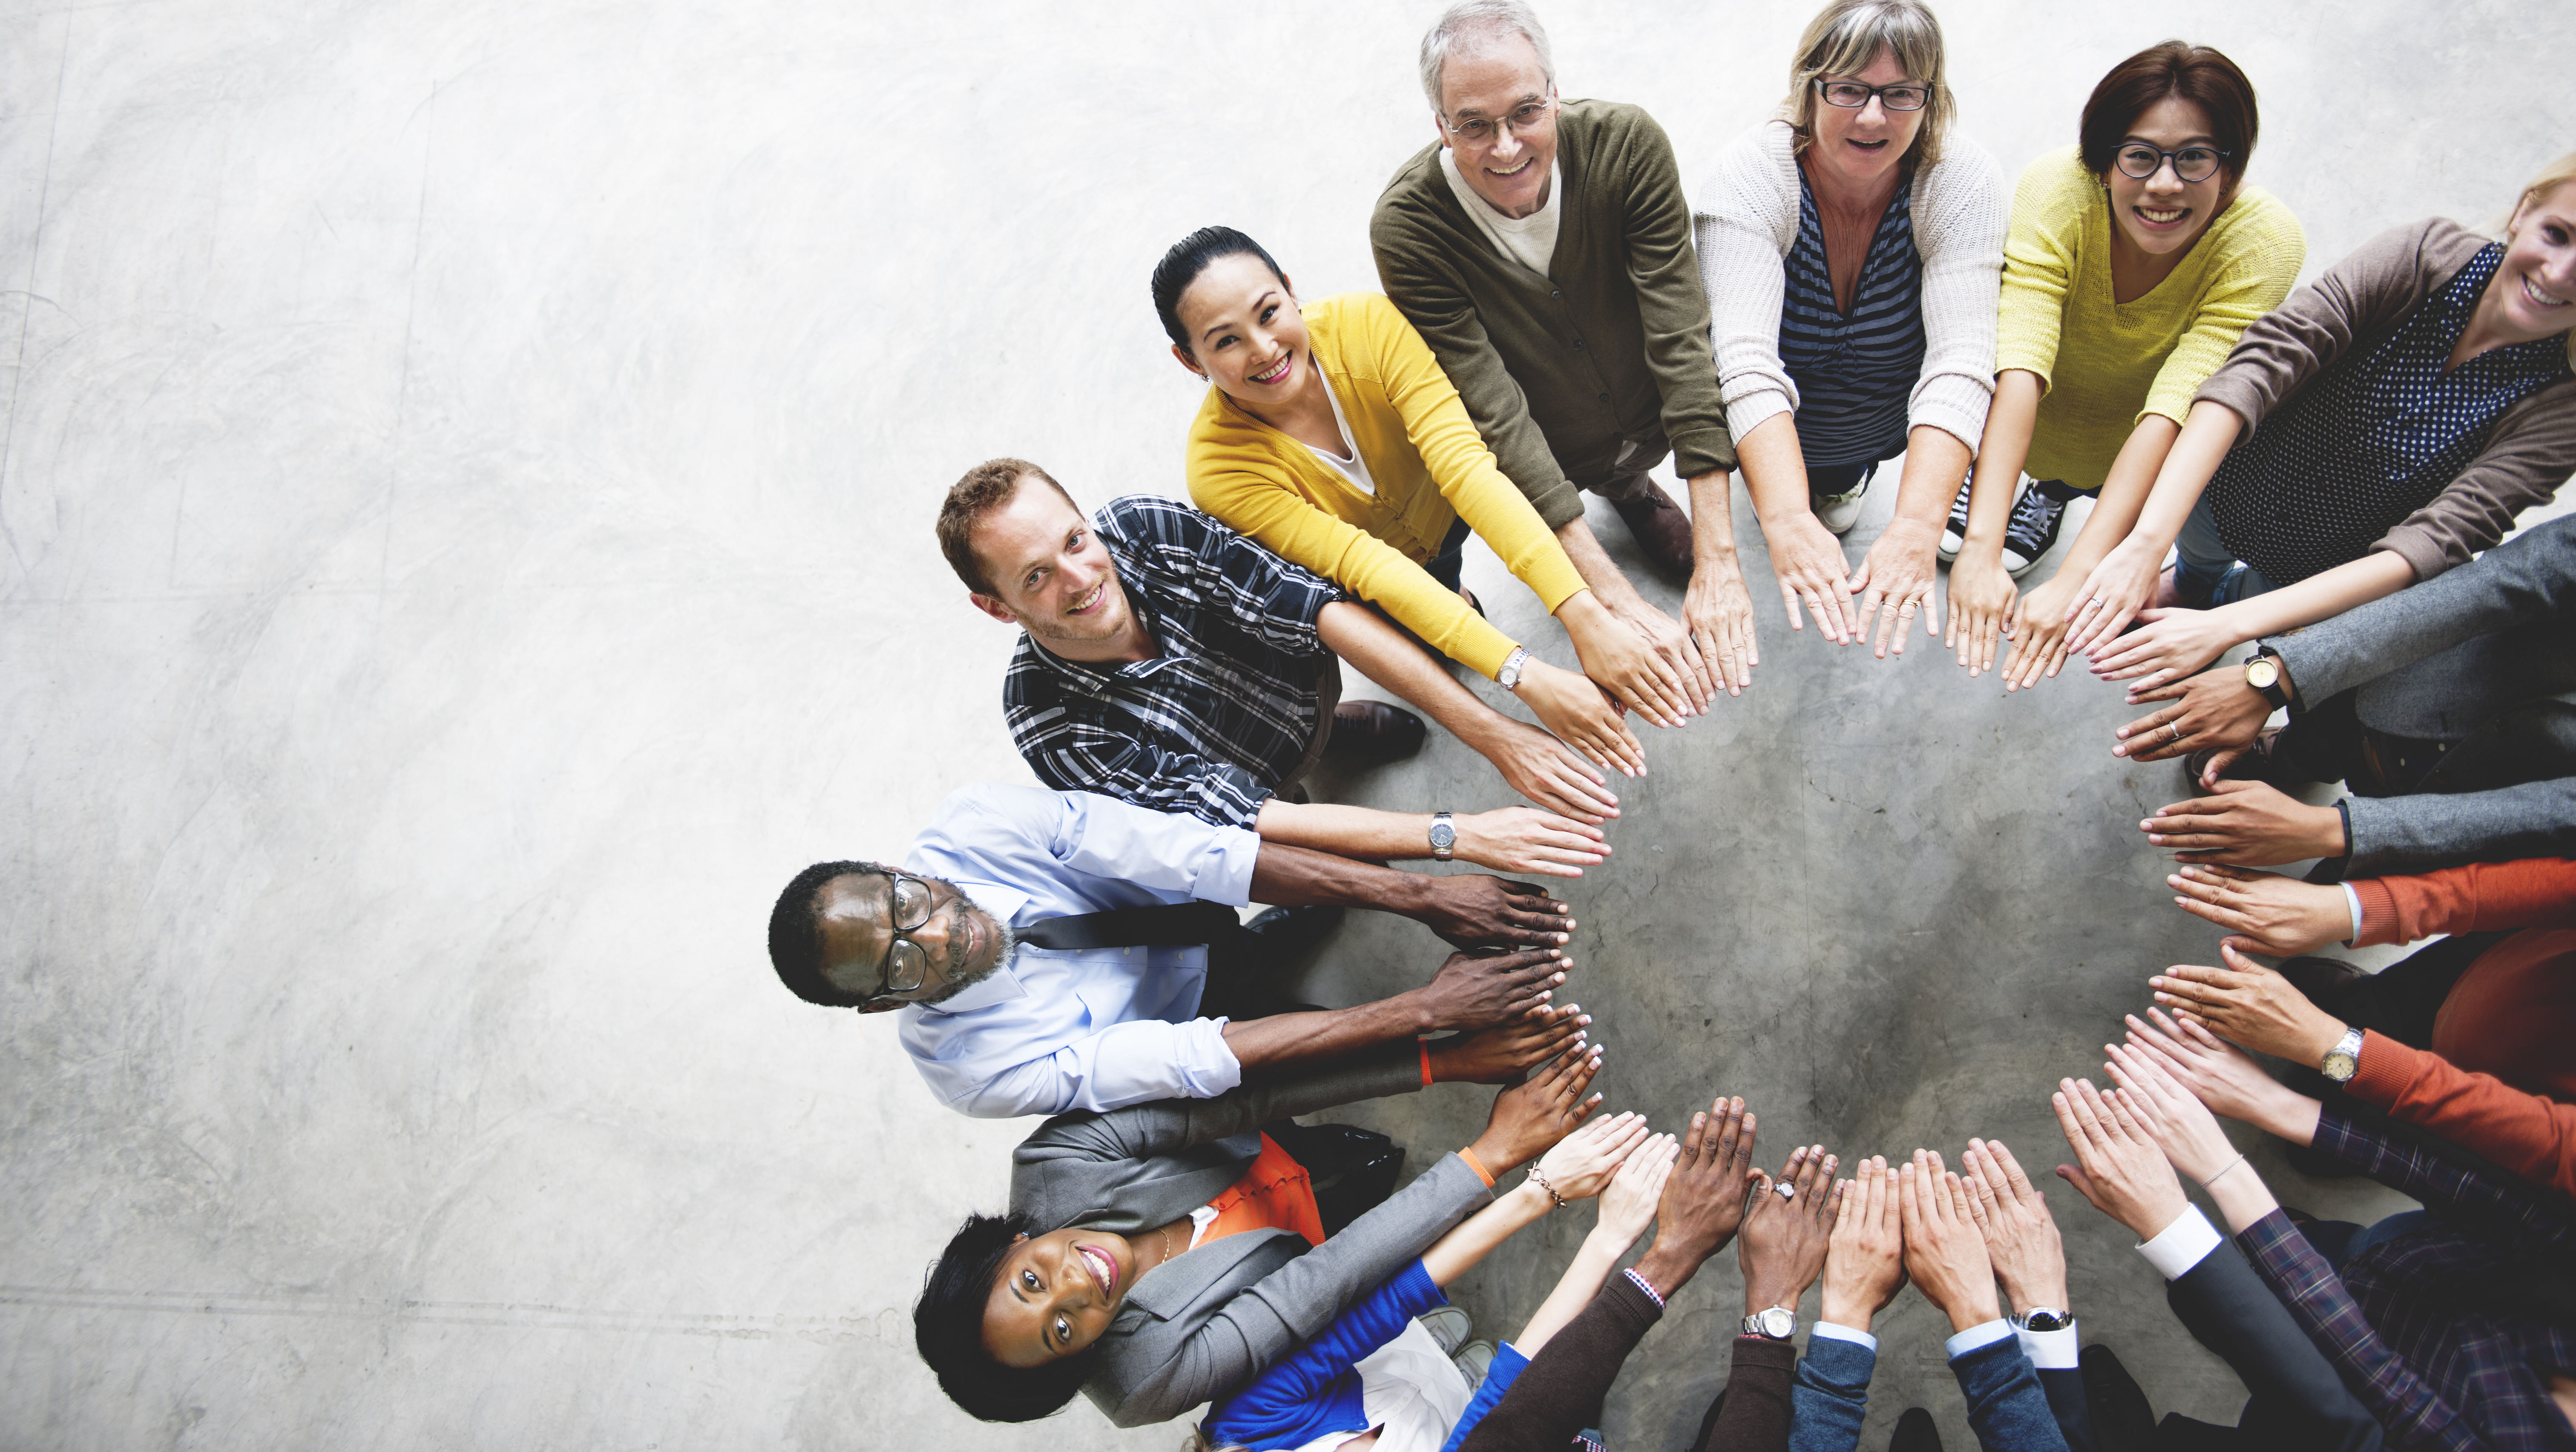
[1704, 1199]
[1530, 1117]
[1501, 1055]
[1943, 1250]
[2246, 824]
[1786, 1236]
[1584, 1161]
[2021, 1236]
[2214, 709]
[1894, 583]
[2249, 1004]
[1865, 1259]
[1475, 991]
[2225, 1077]
[2278, 915]
[1628, 1206]
[1471, 910]
[2118, 1166]
[1525, 839]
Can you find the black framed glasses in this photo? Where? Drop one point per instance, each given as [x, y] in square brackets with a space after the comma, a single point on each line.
[2139, 161]
[1525, 117]
[1852, 95]
[906, 966]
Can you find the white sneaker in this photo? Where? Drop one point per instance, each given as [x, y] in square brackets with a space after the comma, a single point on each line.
[1474, 1360]
[1839, 512]
[1449, 1326]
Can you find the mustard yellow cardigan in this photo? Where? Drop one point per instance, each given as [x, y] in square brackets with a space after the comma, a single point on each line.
[2106, 365]
[1429, 465]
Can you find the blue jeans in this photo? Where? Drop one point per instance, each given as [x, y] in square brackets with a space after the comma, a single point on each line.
[2205, 572]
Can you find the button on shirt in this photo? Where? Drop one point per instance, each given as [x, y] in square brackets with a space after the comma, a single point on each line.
[2375, 437]
[1209, 726]
[1096, 1028]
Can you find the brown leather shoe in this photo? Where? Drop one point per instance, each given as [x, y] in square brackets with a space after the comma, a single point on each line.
[1370, 732]
[1661, 528]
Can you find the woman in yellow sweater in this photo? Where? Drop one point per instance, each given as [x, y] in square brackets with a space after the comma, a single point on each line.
[1331, 436]
[2134, 261]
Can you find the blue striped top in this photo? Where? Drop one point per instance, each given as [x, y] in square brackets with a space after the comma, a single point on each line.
[1854, 374]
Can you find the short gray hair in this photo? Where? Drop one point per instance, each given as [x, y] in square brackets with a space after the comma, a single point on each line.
[1841, 41]
[1472, 25]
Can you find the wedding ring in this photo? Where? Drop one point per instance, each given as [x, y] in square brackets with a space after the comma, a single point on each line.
[1787, 1190]
[2173, 731]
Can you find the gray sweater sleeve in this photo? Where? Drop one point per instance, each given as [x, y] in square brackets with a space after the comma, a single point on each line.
[2531, 577]
[2444, 829]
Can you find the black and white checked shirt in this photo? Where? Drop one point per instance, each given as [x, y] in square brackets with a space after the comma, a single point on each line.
[1209, 726]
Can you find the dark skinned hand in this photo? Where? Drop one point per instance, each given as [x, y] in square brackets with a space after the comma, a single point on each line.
[1529, 1118]
[2246, 824]
[2215, 709]
[1501, 1055]
[1786, 1236]
[1478, 990]
[1704, 1199]
[1476, 911]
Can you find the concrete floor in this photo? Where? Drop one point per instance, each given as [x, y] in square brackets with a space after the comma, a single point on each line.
[466, 484]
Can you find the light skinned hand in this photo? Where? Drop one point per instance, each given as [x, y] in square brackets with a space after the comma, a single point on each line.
[1583, 1162]
[2038, 629]
[1785, 1236]
[1894, 584]
[1865, 1260]
[2249, 1004]
[1719, 613]
[1582, 716]
[1525, 839]
[1943, 1251]
[2246, 824]
[2114, 591]
[2225, 1077]
[1624, 663]
[1628, 1206]
[1672, 642]
[1982, 593]
[1530, 1117]
[2173, 643]
[2273, 913]
[2180, 1124]
[1550, 773]
[1808, 562]
[2021, 1236]
[2214, 709]
[2119, 1167]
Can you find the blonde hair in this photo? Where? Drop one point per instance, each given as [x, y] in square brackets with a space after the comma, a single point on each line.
[2553, 176]
[1842, 40]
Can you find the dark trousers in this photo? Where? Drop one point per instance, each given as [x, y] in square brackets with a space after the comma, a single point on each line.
[1443, 567]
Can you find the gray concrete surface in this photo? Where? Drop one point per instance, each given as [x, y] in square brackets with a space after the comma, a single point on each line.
[466, 488]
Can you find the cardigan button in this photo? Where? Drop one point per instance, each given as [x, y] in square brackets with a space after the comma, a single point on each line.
[1556, 292]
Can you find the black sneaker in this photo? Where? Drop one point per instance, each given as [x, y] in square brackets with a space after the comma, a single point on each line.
[1915, 1433]
[1955, 537]
[2032, 530]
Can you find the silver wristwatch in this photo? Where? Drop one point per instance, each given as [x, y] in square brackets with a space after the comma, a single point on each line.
[1444, 837]
[2043, 1318]
[1509, 677]
[2344, 1059]
[1778, 1323]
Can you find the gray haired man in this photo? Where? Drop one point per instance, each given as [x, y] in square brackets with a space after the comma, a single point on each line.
[1542, 247]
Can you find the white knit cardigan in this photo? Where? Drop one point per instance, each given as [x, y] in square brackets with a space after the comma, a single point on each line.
[1744, 220]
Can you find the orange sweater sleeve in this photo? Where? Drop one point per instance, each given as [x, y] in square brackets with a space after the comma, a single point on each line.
[2539, 892]
[2533, 1136]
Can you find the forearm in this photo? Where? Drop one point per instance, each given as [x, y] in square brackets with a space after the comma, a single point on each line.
[1380, 652]
[2208, 432]
[1287, 1040]
[1458, 1251]
[1593, 1262]
[1364, 833]
[2000, 456]
[2124, 493]
[1775, 469]
[1668, 1268]
[2241, 1196]
[1712, 520]
[1935, 464]
[1287, 875]
[1593, 563]
[2318, 597]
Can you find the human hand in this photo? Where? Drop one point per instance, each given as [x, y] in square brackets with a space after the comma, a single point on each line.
[1548, 772]
[1718, 611]
[1894, 583]
[2250, 1004]
[1473, 991]
[2212, 709]
[2038, 630]
[1525, 839]
[2225, 1077]
[2172, 644]
[2246, 824]
[1785, 1236]
[1981, 606]
[1581, 1163]
[2179, 1123]
[1674, 644]
[1703, 1200]
[1471, 910]
[1865, 1259]
[1808, 562]
[1569, 704]
[1531, 1116]
[1501, 1055]
[1944, 1253]
[2113, 591]
[1625, 664]
[2118, 1165]
[2021, 1236]
[2278, 915]
[1628, 1206]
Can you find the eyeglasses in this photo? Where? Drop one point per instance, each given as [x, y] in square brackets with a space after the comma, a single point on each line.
[2138, 160]
[1852, 95]
[906, 965]
[1524, 118]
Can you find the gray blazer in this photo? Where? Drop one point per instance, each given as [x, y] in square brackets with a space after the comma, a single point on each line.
[1198, 1325]
[2481, 657]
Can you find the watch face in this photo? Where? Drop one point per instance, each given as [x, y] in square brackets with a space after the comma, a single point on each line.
[1443, 836]
[2340, 1067]
[2261, 673]
[1778, 1323]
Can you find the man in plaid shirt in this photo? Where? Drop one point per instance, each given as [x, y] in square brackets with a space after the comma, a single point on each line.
[1169, 662]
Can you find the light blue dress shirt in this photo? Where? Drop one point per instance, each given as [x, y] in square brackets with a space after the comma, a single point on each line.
[1096, 1028]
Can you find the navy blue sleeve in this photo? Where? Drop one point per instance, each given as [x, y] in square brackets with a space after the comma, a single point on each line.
[1829, 1397]
[1314, 1390]
[2006, 1407]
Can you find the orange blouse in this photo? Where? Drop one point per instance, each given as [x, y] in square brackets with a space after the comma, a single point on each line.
[1275, 1194]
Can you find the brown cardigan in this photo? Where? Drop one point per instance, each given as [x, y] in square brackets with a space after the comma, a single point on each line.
[2361, 300]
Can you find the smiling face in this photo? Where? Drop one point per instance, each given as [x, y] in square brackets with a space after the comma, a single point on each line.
[1056, 1294]
[2533, 294]
[1510, 169]
[855, 912]
[2164, 214]
[1856, 150]
[1050, 573]
[1246, 335]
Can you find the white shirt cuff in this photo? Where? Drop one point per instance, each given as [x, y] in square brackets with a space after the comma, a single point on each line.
[2352, 900]
[2051, 1350]
[1976, 1336]
[1832, 1332]
[2180, 1246]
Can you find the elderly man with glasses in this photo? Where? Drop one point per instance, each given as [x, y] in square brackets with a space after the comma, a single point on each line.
[1543, 249]
[1052, 951]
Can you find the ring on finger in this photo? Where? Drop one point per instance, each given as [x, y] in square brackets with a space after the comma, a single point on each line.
[1786, 1190]
[2173, 731]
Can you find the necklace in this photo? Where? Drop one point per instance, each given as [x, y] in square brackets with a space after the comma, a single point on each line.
[1166, 1246]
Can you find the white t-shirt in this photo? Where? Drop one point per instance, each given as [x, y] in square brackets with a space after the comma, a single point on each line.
[1410, 1390]
[1529, 241]
[1348, 463]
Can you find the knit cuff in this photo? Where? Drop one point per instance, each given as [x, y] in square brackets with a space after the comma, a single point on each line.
[1745, 414]
[1954, 405]
[2378, 912]
[2387, 1067]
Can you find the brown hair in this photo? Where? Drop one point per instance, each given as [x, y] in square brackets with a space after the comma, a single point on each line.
[987, 487]
[1842, 40]
[2195, 73]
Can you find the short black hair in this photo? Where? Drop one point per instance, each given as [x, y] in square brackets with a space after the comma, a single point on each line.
[2196, 73]
[1182, 265]
[796, 935]
[948, 1329]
